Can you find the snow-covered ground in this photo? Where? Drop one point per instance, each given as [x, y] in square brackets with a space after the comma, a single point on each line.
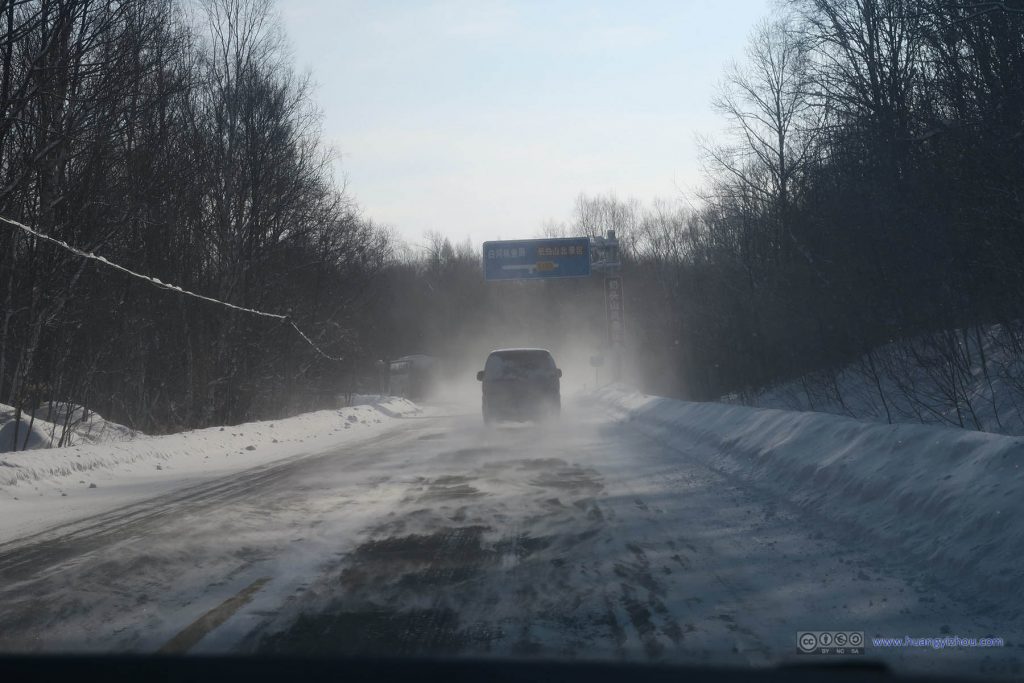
[634, 528]
[971, 378]
[47, 486]
[952, 498]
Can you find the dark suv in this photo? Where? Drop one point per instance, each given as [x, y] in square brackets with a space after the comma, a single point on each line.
[520, 384]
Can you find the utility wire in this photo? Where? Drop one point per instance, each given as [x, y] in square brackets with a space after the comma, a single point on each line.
[166, 285]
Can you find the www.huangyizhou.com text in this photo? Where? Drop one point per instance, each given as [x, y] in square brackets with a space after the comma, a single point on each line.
[939, 643]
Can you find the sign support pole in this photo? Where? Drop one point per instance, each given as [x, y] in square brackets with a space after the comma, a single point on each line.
[608, 262]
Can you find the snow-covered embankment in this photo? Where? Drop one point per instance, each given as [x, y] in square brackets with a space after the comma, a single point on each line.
[949, 497]
[47, 486]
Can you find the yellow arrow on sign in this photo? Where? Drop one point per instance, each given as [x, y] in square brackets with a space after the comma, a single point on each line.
[546, 265]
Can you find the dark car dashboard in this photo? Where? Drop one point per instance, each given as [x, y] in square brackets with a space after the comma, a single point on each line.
[258, 669]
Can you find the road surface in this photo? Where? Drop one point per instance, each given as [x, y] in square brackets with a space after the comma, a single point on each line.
[577, 539]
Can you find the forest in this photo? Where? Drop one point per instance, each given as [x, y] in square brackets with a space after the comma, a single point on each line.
[867, 207]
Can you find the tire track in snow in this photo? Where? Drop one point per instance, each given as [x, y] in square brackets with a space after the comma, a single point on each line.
[33, 556]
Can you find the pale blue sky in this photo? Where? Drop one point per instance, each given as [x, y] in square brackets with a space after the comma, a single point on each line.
[485, 118]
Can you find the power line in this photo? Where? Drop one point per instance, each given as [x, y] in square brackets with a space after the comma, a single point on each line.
[166, 285]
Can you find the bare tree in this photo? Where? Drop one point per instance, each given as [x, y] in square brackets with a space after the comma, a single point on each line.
[769, 103]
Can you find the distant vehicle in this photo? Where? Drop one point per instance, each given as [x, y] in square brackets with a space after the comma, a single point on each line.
[412, 377]
[520, 384]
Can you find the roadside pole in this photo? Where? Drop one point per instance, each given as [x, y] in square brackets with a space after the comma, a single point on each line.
[607, 252]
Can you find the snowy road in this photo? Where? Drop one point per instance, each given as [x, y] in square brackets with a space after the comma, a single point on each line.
[579, 539]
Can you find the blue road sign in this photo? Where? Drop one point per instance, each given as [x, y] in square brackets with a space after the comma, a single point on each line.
[537, 259]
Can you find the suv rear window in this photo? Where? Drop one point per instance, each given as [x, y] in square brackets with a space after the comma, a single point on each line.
[519, 365]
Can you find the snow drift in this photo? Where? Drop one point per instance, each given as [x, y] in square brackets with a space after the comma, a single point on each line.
[58, 423]
[950, 497]
[47, 486]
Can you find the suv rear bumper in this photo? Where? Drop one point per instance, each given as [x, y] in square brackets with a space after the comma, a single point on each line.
[525, 407]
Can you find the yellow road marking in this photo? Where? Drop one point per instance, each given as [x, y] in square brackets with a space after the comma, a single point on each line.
[194, 632]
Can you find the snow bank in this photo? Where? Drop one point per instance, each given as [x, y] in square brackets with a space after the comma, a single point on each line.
[349, 400]
[48, 427]
[947, 496]
[29, 434]
[40, 488]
